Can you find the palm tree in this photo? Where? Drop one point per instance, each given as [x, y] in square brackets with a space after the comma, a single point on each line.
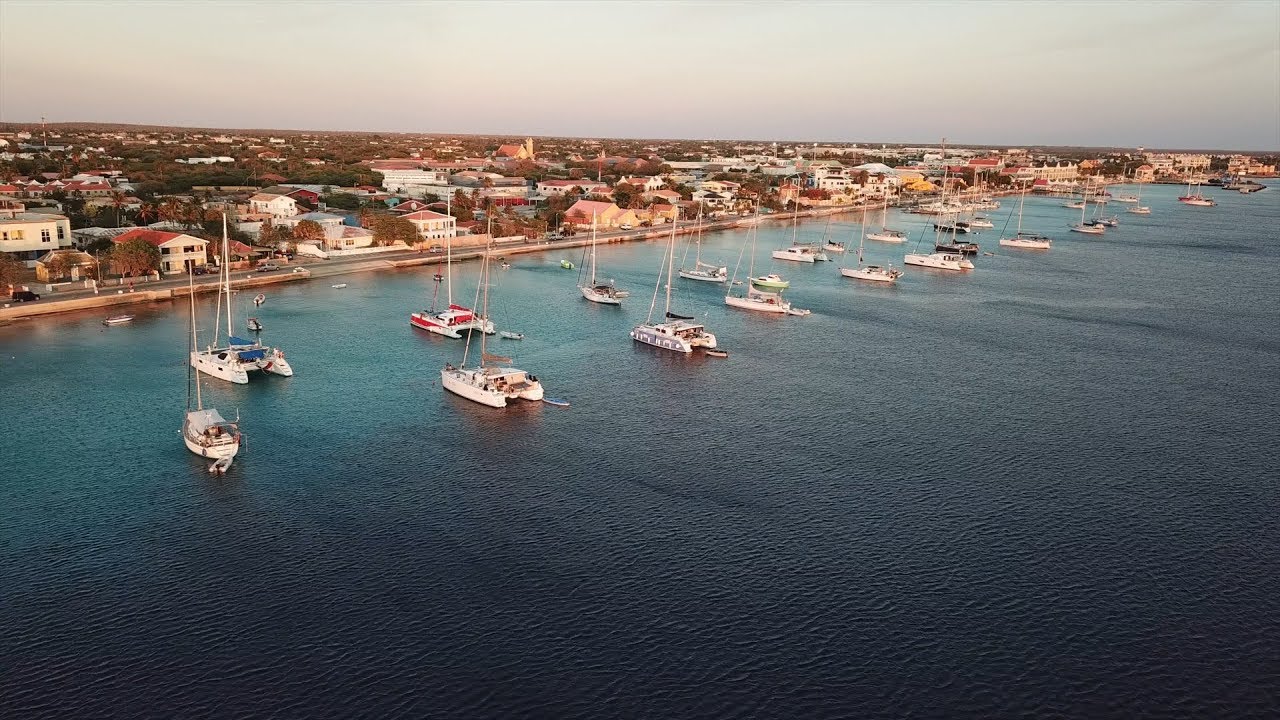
[146, 213]
[117, 202]
[170, 210]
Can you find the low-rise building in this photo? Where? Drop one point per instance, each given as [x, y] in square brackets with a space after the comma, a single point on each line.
[28, 235]
[606, 214]
[73, 267]
[330, 223]
[177, 250]
[433, 225]
[547, 188]
[1144, 174]
[277, 206]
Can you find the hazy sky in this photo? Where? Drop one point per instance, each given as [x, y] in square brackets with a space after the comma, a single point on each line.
[1159, 74]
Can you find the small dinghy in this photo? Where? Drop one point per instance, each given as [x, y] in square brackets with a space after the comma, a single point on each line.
[716, 352]
[339, 286]
[118, 320]
[257, 301]
[799, 311]
[511, 335]
[254, 325]
[558, 402]
[506, 265]
[566, 264]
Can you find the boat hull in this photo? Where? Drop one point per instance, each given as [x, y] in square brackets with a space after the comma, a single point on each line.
[425, 321]
[484, 386]
[793, 257]
[1027, 244]
[216, 452]
[871, 274]
[668, 337]
[704, 277]
[887, 237]
[598, 297]
[938, 261]
[1088, 229]
[763, 306]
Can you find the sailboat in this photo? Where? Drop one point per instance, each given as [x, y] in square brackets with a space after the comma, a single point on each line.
[597, 292]
[885, 234]
[676, 332]
[490, 383]
[456, 319]
[799, 252]
[763, 294]
[239, 357]
[874, 273]
[1088, 228]
[1196, 198]
[1140, 209]
[830, 245]
[1030, 241]
[205, 432]
[938, 260]
[706, 272]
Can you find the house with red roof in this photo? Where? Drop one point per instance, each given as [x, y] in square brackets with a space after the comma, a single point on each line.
[409, 206]
[515, 152]
[176, 249]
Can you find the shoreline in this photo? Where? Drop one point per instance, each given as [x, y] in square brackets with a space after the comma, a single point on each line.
[118, 296]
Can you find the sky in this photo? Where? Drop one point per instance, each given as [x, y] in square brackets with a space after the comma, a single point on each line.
[1154, 74]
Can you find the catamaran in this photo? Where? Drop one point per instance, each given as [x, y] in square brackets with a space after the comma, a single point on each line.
[456, 319]
[1030, 241]
[204, 431]
[489, 384]
[676, 333]
[874, 273]
[706, 272]
[234, 361]
[600, 292]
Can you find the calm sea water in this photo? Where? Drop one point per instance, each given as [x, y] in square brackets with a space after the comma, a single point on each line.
[1044, 488]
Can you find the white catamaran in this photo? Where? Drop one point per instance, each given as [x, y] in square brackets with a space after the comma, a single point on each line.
[676, 332]
[205, 432]
[234, 361]
[600, 292]
[490, 383]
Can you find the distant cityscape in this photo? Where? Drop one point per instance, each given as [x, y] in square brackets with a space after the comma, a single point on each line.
[70, 195]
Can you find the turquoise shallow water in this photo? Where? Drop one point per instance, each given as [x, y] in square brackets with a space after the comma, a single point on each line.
[1044, 487]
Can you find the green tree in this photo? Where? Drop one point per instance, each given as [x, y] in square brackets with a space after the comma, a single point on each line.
[342, 201]
[135, 257]
[387, 229]
[60, 265]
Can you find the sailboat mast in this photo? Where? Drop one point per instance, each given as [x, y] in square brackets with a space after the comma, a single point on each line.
[697, 260]
[484, 259]
[1021, 202]
[226, 271]
[593, 250]
[484, 279]
[191, 294]
[448, 257]
[671, 260]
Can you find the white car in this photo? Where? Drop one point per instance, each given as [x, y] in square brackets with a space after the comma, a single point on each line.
[624, 227]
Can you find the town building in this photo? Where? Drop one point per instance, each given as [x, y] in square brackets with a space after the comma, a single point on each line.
[330, 223]
[28, 235]
[606, 214]
[548, 188]
[433, 225]
[76, 261]
[176, 249]
[1144, 174]
[275, 205]
[412, 181]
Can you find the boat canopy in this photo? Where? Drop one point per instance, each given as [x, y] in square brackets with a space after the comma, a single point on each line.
[255, 354]
[239, 341]
[201, 420]
[674, 316]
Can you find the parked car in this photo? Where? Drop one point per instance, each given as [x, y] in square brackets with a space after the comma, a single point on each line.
[624, 227]
[24, 296]
[268, 267]
[435, 249]
[203, 270]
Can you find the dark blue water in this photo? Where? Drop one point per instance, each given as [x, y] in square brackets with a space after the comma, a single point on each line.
[1044, 488]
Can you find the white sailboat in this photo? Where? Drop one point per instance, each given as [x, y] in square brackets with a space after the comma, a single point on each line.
[455, 319]
[204, 431]
[675, 332]
[1139, 209]
[1196, 198]
[1026, 240]
[706, 272]
[874, 273]
[489, 384]
[762, 294]
[830, 245]
[1087, 228]
[799, 252]
[885, 234]
[234, 361]
[599, 292]
[941, 259]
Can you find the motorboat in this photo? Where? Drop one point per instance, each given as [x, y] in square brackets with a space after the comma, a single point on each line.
[1076, 205]
[716, 353]
[509, 335]
[118, 320]
[254, 324]
[1139, 210]
[939, 261]
[1108, 221]
[338, 286]
[772, 281]
[566, 264]
[800, 253]
[981, 222]
[958, 226]
[258, 299]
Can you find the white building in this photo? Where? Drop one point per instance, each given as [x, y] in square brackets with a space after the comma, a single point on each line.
[177, 250]
[277, 206]
[1061, 172]
[411, 181]
[26, 236]
[547, 188]
[646, 184]
[330, 223]
[433, 225]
